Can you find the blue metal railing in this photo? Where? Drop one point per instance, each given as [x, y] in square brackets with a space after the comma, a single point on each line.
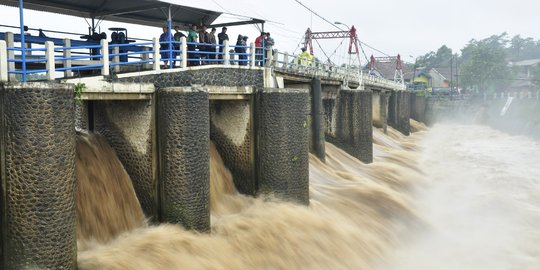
[89, 55]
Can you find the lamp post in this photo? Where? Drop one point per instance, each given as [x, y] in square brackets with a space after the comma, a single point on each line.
[348, 28]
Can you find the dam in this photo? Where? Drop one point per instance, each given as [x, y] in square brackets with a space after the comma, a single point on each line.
[252, 161]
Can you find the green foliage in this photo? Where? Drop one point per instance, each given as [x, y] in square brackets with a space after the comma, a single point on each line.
[441, 58]
[79, 90]
[523, 48]
[484, 64]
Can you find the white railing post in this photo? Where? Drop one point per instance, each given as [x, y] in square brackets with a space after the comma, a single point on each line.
[10, 43]
[156, 53]
[67, 54]
[183, 47]
[269, 57]
[116, 58]
[226, 54]
[145, 56]
[105, 57]
[275, 58]
[251, 54]
[286, 60]
[49, 55]
[3, 62]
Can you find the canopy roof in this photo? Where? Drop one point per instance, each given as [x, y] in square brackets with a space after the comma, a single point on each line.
[141, 12]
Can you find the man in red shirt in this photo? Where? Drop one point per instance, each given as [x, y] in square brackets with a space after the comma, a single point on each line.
[259, 46]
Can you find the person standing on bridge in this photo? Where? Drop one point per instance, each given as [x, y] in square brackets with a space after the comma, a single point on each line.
[212, 46]
[165, 47]
[259, 46]
[177, 36]
[268, 46]
[203, 46]
[191, 39]
[305, 57]
[221, 38]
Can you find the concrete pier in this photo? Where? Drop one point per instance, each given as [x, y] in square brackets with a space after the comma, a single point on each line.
[37, 140]
[317, 138]
[353, 124]
[183, 136]
[282, 143]
[399, 111]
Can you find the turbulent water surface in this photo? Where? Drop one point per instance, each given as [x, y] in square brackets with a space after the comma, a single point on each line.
[453, 197]
[482, 203]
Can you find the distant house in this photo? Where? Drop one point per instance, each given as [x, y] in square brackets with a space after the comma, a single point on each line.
[438, 80]
[422, 80]
[524, 68]
[524, 73]
[431, 78]
[385, 67]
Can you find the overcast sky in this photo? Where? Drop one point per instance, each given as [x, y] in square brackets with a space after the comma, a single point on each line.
[411, 28]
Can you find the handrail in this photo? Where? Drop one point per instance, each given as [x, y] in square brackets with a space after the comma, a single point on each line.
[292, 63]
[111, 57]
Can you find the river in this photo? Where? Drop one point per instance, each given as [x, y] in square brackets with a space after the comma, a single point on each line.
[452, 197]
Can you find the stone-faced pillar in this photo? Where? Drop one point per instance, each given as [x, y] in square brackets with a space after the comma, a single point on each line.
[393, 109]
[403, 112]
[354, 128]
[37, 142]
[317, 120]
[282, 143]
[183, 127]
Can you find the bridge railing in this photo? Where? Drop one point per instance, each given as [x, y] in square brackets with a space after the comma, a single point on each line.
[294, 64]
[57, 58]
[68, 58]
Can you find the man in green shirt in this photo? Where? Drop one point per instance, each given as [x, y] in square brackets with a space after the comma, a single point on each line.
[192, 37]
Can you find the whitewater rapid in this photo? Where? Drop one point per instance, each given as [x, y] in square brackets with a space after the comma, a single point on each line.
[481, 201]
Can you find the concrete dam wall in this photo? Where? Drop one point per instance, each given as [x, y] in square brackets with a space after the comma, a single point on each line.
[263, 133]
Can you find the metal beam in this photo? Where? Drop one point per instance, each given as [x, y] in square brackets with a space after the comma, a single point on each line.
[126, 10]
[335, 34]
[252, 21]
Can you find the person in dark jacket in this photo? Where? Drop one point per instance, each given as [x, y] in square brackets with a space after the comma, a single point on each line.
[221, 38]
[165, 46]
[241, 49]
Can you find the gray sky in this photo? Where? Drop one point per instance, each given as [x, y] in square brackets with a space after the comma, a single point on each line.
[411, 28]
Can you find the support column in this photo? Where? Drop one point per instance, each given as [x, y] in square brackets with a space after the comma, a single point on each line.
[37, 139]
[354, 128]
[392, 109]
[317, 121]
[183, 145]
[282, 143]
[418, 110]
[385, 97]
[403, 109]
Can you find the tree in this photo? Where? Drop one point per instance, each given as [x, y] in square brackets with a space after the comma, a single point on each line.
[485, 67]
[523, 48]
[441, 58]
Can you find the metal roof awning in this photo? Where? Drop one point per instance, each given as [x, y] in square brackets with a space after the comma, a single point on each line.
[141, 12]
